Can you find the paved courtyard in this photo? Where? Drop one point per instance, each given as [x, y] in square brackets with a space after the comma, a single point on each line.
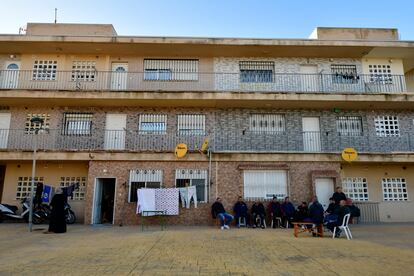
[86, 250]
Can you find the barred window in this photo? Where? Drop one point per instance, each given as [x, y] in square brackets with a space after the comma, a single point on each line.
[77, 123]
[24, 186]
[191, 124]
[79, 193]
[170, 69]
[259, 184]
[143, 179]
[349, 125]
[193, 177]
[380, 73]
[342, 73]
[83, 71]
[152, 124]
[267, 123]
[30, 127]
[44, 70]
[356, 188]
[394, 189]
[256, 71]
[387, 126]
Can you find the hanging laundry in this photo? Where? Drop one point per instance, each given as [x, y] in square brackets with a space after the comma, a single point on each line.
[167, 200]
[47, 190]
[186, 194]
[146, 201]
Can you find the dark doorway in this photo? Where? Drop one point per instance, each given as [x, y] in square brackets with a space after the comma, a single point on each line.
[2, 176]
[104, 201]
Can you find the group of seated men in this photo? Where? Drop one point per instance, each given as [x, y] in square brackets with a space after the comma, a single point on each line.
[284, 213]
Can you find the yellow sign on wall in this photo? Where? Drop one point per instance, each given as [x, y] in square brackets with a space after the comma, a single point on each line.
[181, 150]
[349, 154]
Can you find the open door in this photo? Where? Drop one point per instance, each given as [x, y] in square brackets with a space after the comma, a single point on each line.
[103, 202]
[324, 188]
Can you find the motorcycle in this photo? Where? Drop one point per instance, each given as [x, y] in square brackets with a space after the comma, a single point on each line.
[10, 212]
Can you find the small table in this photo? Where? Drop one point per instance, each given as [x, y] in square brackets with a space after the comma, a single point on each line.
[158, 213]
[317, 227]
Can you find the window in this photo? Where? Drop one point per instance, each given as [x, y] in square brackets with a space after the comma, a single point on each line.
[24, 186]
[30, 127]
[265, 184]
[356, 188]
[152, 124]
[79, 193]
[267, 123]
[77, 124]
[143, 179]
[256, 71]
[193, 177]
[394, 189]
[190, 124]
[170, 69]
[342, 73]
[380, 73]
[387, 126]
[349, 125]
[44, 70]
[83, 70]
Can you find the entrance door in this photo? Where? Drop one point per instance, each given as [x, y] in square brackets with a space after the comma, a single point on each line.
[119, 76]
[309, 78]
[10, 76]
[324, 190]
[115, 131]
[4, 129]
[2, 176]
[311, 134]
[103, 201]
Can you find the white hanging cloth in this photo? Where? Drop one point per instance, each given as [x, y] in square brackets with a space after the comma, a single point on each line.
[146, 201]
[186, 194]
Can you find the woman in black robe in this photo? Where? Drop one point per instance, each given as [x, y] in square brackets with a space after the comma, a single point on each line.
[57, 222]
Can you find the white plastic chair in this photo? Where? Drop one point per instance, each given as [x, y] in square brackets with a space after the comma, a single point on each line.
[242, 222]
[279, 219]
[344, 227]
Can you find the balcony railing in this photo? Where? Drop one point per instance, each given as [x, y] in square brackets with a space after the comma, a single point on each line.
[182, 81]
[130, 141]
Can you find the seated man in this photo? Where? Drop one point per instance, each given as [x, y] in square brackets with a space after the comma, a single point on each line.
[340, 212]
[288, 211]
[240, 210]
[316, 212]
[275, 212]
[217, 211]
[331, 206]
[302, 213]
[258, 211]
[355, 212]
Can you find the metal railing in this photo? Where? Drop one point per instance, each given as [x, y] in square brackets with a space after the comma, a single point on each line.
[182, 81]
[125, 140]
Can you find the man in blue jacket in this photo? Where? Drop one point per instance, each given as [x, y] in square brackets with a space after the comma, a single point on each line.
[288, 211]
[240, 210]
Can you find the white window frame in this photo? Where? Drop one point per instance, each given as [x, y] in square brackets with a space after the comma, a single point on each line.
[191, 124]
[80, 192]
[158, 121]
[79, 124]
[387, 126]
[193, 174]
[349, 125]
[84, 70]
[145, 176]
[394, 189]
[31, 127]
[263, 184]
[356, 188]
[24, 186]
[267, 123]
[171, 69]
[44, 70]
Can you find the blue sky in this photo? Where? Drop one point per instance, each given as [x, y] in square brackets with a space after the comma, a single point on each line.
[215, 18]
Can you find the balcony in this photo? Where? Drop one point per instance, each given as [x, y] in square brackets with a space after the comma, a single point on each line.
[216, 82]
[129, 141]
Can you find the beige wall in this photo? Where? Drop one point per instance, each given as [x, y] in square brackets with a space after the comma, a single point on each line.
[397, 67]
[50, 171]
[409, 80]
[389, 211]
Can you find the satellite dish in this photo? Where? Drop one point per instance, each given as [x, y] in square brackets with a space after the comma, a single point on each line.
[204, 146]
[181, 150]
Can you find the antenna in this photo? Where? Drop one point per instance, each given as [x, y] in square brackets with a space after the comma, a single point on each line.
[55, 15]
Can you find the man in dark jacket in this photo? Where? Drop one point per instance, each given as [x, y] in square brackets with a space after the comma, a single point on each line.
[331, 207]
[276, 211]
[288, 211]
[240, 210]
[302, 213]
[316, 211]
[258, 211]
[340, 212]
[338, 195]
[218, 211]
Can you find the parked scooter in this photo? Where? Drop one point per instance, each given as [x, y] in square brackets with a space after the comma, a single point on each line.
[10, 212]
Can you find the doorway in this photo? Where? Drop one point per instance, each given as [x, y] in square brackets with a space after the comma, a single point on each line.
[4, 129]
[115, 131]
[311, 134]
[324, 188]
[119, 76]
[2, 176]
[10, 76]
[309, 78]
[103, 201]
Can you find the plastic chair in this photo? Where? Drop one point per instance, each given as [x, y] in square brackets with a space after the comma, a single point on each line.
[344, 227]
[279, 219]
[242, 221]
[264, 221]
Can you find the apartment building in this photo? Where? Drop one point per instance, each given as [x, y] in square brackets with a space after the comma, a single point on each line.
[276, 114]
